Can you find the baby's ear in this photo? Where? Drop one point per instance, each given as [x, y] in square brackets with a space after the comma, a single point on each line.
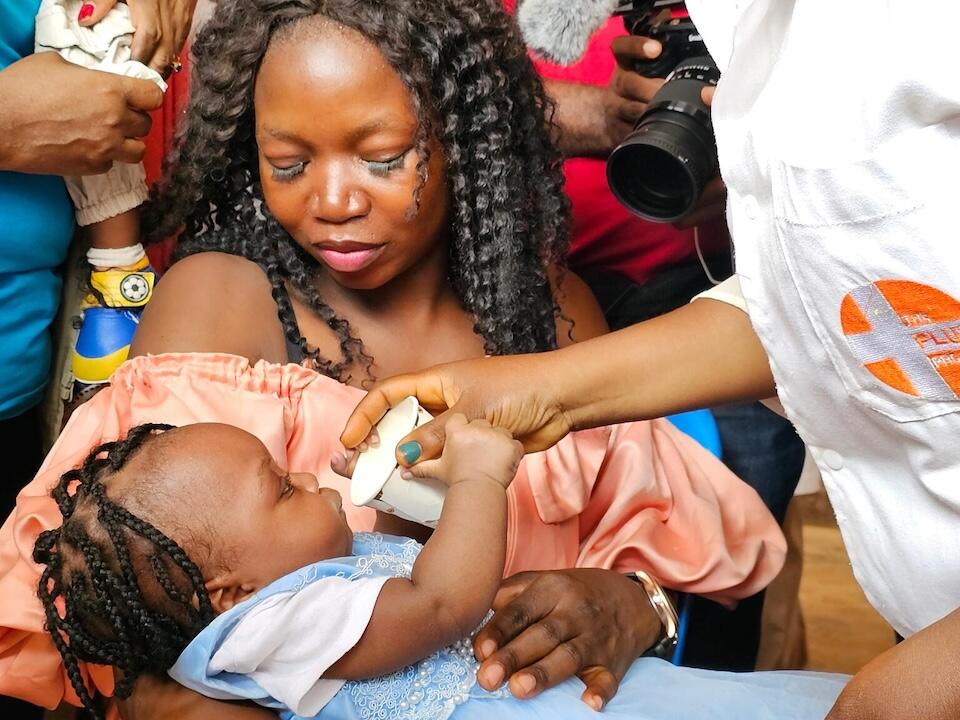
[225, 592]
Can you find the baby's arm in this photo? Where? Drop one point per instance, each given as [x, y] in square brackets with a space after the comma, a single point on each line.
[459, 569]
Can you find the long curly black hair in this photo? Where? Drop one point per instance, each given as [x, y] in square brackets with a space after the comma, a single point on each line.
[473, 88]
[132, 597]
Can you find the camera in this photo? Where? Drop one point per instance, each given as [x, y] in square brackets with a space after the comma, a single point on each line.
[659, 171]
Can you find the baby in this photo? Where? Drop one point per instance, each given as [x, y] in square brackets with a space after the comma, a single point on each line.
[191, 551]
[121, 279]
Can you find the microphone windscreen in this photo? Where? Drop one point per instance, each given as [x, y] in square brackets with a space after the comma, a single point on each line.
[559, 30]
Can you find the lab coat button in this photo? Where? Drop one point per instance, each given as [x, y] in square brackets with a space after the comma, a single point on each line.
[833, 459]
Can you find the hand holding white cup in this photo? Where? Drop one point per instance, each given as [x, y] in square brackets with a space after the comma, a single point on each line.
[377, 481]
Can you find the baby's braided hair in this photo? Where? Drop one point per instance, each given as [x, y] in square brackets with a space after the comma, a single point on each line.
[132, 598]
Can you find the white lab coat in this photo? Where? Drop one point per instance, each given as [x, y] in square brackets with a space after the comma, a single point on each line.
[838, 127]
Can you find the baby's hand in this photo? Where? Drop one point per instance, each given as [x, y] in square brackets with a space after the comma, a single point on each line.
[473, 450]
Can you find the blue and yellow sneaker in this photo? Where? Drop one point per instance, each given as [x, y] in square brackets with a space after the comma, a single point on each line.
[109, 317]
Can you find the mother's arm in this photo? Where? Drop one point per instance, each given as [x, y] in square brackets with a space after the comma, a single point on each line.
[580, 315]
[163, 699]
[212, 302]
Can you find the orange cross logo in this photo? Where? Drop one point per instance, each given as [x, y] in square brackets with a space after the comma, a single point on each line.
[907, 335]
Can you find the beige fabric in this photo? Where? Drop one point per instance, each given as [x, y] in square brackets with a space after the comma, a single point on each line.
[64, 332]
[106, 47]
[728, 292]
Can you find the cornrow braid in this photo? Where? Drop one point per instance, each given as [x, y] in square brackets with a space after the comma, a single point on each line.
[473, 88]
[97, 566]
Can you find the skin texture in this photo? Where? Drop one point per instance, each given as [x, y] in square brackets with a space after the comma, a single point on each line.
[267, 521]
[244, 520]
[701, 355]
[61, 119]
[356, 172]
[913, 679]
[402, 305]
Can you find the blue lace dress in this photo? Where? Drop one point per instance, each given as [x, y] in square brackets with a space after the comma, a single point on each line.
[443, 685]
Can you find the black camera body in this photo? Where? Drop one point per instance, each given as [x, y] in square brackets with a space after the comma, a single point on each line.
[659, 171]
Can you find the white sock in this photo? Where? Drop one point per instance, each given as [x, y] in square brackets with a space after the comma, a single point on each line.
[115, 257]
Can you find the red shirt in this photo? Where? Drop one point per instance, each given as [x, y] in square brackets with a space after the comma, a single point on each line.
[606, 235]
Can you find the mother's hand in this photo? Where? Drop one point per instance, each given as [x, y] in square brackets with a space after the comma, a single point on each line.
[552, 625]
[161, 26]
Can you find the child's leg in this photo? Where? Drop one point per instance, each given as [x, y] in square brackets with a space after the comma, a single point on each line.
[121, 280]
[121, 284]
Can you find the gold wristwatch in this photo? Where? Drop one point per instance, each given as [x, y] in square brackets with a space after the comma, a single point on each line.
[665, 610]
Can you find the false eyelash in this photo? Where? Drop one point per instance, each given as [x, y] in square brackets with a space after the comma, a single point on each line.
[286, 174]
[387, 166]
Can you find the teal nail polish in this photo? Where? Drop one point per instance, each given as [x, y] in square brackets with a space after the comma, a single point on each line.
[411, 452]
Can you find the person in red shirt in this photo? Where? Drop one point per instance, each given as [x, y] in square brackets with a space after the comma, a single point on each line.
[638, 270]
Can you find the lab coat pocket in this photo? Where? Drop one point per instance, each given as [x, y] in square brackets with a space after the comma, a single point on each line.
[872, 247]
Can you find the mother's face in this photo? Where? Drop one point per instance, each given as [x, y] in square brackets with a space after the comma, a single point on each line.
[336, 132]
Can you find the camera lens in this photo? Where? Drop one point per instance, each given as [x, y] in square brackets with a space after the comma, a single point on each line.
[661, 168]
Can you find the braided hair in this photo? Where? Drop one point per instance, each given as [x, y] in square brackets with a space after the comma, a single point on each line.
[473, 88]
[133, 599]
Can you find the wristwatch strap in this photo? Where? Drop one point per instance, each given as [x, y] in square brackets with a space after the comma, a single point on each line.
[665, 610]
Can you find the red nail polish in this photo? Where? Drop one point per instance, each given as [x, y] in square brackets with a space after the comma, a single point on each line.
[86, 10]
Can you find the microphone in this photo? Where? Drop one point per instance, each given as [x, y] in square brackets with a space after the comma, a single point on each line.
[559, 30]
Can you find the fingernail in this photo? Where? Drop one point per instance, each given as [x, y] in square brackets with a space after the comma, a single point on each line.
[651, 47]
[595, 702]
[374, 439]
[493, 675]
[86, 10]
[487, 648]
[411, 452]
[526, 683]
[406, 475]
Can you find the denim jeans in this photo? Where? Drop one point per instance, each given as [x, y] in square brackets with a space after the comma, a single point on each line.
[759, 446]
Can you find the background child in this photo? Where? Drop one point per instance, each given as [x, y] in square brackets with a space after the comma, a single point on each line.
[164, 533]
[121, 279]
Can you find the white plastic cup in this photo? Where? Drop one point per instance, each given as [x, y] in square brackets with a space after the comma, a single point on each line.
[376, 478]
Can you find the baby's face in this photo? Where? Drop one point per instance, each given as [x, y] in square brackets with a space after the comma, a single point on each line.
[260, 521]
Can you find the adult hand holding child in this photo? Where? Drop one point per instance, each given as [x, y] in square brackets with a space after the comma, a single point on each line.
[61, 119]
[162, 28]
